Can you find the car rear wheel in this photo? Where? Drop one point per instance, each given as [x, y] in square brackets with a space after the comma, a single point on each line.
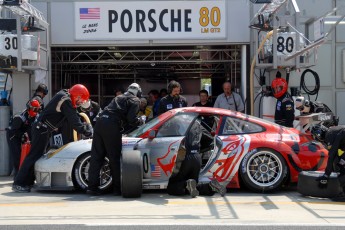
[81, 173]
[131, 174]
[263, 170]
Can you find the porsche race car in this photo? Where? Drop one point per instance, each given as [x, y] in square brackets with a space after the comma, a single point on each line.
[243, 151]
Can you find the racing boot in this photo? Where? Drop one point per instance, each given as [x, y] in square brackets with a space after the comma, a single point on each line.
[21, 189]
[191, 187]
[217, 187]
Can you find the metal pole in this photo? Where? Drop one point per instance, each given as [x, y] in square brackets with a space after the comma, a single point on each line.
[244, 72]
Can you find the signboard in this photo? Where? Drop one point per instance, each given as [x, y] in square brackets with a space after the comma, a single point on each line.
[150, 20]
[9, 46]
[319, 29]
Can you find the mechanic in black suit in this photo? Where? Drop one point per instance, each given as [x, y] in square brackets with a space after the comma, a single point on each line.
[107, 139]
[334, 139]
[40, 93]
[61, 107]
[173, 100]
[204, 102]
[186, 179]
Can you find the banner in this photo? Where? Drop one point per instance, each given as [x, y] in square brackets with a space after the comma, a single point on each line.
[150, 20]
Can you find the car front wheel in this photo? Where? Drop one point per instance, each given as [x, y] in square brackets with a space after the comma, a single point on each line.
[263, 170]
[81, 173]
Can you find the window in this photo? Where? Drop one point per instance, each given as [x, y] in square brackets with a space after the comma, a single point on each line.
[177, 125]
[233, 125]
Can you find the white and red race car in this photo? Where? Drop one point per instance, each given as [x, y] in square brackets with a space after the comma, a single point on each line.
[259, 153]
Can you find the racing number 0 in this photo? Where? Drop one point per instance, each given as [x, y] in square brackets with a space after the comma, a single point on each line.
[145, 163]
[206, 16]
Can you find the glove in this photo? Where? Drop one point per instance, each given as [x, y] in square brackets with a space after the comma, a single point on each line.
[323, 181]
[141, 121]
[88, 132]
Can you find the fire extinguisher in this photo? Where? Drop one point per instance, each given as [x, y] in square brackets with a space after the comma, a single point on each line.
[26, 145]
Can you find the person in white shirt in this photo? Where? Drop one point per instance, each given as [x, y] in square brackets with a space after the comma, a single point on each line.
[229, 100]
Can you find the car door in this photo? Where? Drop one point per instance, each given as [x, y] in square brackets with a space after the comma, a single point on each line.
[160, 152]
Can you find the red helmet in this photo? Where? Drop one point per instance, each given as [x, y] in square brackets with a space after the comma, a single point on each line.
[279, 87]
[34, 108]
[79, 95]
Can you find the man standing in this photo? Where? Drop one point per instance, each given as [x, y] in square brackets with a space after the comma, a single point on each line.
[40, 93]
[204, 102]
[62, 106]
[107, 140]
[173, 100]
[19, 130]
[285, 108]
[229, 100]
[334, 139]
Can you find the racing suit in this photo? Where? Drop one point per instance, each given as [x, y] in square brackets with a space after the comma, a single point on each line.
[335, 140]
[285, 111]
[107, 139]
[168, 102]
[191, 165]
[19, 125]
[51, 118]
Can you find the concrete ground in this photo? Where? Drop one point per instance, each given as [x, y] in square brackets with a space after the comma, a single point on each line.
[238, 208]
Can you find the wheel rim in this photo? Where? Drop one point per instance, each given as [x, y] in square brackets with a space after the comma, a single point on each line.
[264, 168]
[105, 175]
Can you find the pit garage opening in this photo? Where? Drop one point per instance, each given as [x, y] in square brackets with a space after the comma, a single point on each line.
[104, 69]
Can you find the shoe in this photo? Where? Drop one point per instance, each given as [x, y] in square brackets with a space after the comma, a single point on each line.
[94, 192]
[339, 198]
[21, 189]
[217, 187]
[191, 187]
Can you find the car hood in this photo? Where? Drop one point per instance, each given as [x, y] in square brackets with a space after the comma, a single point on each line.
[74, 149]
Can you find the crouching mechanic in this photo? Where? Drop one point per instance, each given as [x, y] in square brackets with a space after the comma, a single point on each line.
[334, 139]
[20, 125]
[62, 106]
[186, 179]
[107, 140]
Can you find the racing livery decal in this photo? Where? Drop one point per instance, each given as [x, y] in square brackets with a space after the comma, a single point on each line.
[169, 166]
[235, 149]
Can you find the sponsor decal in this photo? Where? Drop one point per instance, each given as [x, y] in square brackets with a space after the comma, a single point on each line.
[89, 13]
[155, 170]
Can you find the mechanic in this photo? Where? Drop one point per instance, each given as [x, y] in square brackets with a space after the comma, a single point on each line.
[229, 100]
[307, 107]
[19, 132]
[204, 102]
[107, 140]
[285, 110]
[40, 93]
[334, 139]
[173, 100]
[187, 176]
[154, 100]
[61, 107]
[91, 109]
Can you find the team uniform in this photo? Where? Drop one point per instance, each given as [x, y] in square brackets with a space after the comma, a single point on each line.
[107, 140]
[285, 111]
[168, 102]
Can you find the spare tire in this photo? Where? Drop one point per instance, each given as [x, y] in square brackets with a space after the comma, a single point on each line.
[131, 174]
[309, 186]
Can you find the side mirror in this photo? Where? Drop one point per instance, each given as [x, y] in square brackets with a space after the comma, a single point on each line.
[152, 134]
[213, 133]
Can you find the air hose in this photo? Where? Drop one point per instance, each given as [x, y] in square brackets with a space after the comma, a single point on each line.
[303, 86]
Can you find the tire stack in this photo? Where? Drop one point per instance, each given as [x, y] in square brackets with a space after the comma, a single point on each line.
[308, 184]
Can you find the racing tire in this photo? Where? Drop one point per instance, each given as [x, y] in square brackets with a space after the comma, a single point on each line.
[80, 173]
[263, 170]
[131, 174]
[307, 185]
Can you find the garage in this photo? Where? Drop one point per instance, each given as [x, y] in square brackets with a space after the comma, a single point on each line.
[104, 69]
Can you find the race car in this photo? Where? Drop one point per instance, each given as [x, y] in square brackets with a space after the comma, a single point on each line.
[238, 150]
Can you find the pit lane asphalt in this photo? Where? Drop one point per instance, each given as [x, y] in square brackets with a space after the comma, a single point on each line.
[239, 209]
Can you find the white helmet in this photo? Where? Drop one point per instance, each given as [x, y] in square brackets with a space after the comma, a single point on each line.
[299, 103]
[134, 89]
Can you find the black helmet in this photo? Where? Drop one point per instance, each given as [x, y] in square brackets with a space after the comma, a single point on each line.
[42, 88]
[318, 132]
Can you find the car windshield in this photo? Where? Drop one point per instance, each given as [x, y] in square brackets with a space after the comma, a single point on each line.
[142, 129]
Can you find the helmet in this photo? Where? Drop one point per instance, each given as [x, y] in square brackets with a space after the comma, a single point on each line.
[134, 89]
[299, 103]
[279, 87]
[306, 108]
[33, 108]
[42, 88]
[79, 95]
[319, 132]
